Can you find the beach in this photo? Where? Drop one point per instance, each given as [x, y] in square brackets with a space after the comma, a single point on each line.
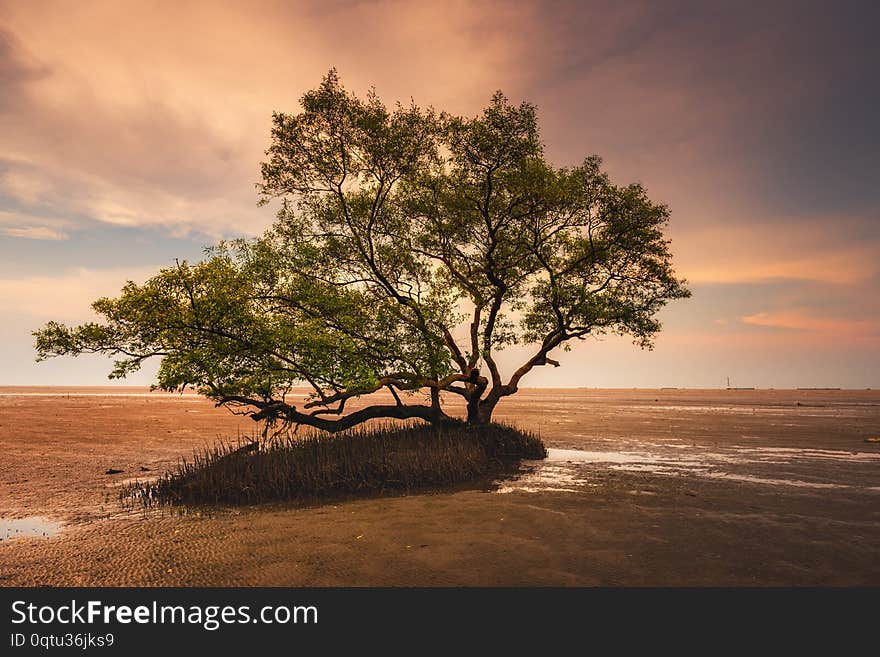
[641, 488]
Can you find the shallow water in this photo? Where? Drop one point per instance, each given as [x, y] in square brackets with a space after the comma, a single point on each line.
[572, 470]
[12, 528]
[849, 409]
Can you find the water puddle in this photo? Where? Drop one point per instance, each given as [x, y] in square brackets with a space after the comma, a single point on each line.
[144, 479]
[40, 527]
[580, 456]
[572, 470]
[773, 482]
[795, 453]
[540, 476]
[799, 410]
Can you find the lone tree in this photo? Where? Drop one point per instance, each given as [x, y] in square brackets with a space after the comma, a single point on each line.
[410, 247]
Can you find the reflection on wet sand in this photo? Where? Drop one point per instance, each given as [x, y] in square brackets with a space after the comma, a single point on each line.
[571, 470]
[38, 526]
[641, 489]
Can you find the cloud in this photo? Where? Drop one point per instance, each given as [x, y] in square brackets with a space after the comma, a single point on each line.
[838, 249]
[16, 70]
[64, 297]
[806, 321]
[33, 232]
[755, 123]
[17, 224]
[135, 119]
[159, 116]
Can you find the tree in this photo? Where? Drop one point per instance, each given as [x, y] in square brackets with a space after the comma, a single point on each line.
[399, 231]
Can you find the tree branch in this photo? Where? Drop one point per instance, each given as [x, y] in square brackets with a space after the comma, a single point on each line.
[280, 410]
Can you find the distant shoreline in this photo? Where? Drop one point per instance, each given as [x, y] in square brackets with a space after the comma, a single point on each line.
[144, 391]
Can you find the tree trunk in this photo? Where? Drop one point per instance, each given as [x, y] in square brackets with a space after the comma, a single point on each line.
[479, 412]
[487, 407]
[473, 411]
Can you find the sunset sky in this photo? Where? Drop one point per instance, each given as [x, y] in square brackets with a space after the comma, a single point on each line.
[132, 133]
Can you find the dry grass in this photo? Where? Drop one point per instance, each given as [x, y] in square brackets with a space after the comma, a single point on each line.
[362, 461]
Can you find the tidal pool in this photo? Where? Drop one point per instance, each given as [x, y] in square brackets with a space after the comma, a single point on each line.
[12, 528]
[572, 470]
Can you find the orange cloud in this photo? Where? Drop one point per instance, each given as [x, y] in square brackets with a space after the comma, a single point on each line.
[814, 249]
[13, 224]
[33, 232]
[143, 115]
[67, 296]
[794, 320]
[157, 115]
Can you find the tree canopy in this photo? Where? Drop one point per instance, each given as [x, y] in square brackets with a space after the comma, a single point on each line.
[410, 247]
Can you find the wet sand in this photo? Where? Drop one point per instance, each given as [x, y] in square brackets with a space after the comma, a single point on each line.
[668, 487]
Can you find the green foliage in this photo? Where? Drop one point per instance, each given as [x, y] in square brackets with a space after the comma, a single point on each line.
[396, 228]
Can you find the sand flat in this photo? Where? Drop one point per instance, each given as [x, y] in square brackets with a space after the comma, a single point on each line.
[670, 487]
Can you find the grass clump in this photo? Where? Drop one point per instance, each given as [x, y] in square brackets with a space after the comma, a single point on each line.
[365, 460]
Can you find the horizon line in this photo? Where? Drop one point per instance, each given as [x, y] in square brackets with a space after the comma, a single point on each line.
[561, 387]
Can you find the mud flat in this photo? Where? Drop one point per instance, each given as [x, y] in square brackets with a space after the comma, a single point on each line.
[642, 487]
